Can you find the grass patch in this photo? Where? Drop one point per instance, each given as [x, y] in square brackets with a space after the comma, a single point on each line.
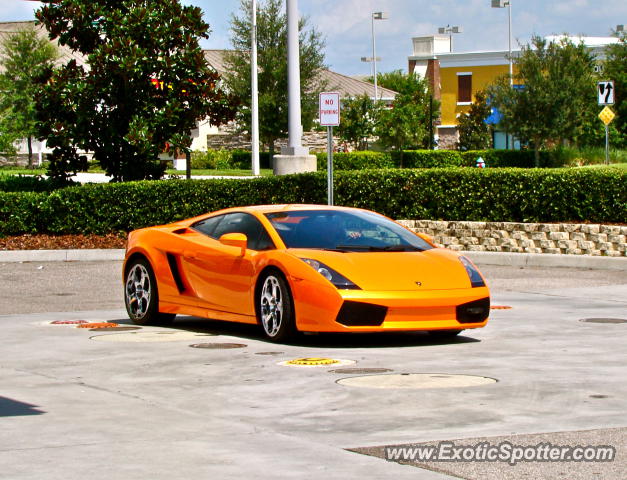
[265, 172]
[622, 166]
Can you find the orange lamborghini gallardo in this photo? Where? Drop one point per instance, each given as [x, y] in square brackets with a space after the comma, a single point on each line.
[301, 268]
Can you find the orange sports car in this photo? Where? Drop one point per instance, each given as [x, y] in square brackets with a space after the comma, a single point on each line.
[307, 268]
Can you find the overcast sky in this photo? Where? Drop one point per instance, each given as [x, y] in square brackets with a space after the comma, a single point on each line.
[347, 28]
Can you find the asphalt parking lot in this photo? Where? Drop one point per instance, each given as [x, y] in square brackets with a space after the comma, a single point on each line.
[140, 404]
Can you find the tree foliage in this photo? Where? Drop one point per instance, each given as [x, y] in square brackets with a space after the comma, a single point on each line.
[615, 69]
[407, 123]
[359, 120]
[474, 132]
[145, 83]
[23, 58]
[272, 68]
[559, 86]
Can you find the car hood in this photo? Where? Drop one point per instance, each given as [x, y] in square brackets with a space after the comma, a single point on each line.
[435, 269]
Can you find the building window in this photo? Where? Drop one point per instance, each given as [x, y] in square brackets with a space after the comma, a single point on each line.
[464, 88]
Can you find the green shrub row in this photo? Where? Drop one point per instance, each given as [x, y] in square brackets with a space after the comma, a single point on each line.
[27, 183]
[356, 160]
[518, 195]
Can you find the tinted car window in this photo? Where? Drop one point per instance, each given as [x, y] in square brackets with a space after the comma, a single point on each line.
[208, 225]
[258, 238]
[344, 230]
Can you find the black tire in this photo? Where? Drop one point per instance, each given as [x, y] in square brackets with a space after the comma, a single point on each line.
[444, 333]
[141, 295]
[274, 306]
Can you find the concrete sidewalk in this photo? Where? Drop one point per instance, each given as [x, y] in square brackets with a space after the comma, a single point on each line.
[481, 258]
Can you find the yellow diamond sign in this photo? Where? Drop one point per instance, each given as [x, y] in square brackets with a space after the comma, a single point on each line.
[607, 115]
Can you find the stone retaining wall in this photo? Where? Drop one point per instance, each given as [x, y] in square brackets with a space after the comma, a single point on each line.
[562, 238]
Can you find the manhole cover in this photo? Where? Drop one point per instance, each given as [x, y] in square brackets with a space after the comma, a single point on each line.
[500, 307]
[218, 346]
[316, 362]
[604, 320]
[359, 370]
[416, 381]
[97, 325]
[116, 329]
[68, 322]
[145, 336]
[598, 396]
[269, 353]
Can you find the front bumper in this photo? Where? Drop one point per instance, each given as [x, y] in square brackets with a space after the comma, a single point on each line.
[325, 309]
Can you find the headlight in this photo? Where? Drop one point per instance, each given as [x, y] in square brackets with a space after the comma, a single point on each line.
[476, 280]
[340, 281]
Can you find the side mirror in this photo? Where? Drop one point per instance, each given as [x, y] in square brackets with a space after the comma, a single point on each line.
[426, 238]
[235, 240]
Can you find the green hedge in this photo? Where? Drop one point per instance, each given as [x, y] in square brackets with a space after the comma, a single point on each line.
[242, 159]
[427, 159]
[513, 158]
[29, 183]
[356, 160]
[518, 195]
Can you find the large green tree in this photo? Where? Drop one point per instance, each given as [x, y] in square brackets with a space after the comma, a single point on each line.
[615, 68]
[409, 123]
[559, 87]
[474, 132]
[272, 68]
[359, 120]
[24, 56]
[144, 85]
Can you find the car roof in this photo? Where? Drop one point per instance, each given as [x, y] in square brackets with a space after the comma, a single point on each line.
[285, 207]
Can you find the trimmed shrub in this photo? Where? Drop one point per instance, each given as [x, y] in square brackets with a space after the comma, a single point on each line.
[514, 195]
[513, 158]
[243, 159]
[29, 183]
[427, 159]
[211, 159]
[356, 160]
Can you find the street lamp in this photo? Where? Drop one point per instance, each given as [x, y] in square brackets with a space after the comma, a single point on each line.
[450, 30]
[508, 4]
[375, 16]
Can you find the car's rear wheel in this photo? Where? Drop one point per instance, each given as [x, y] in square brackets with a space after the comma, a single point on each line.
[141, 295]
[275, 311]
[444, 333]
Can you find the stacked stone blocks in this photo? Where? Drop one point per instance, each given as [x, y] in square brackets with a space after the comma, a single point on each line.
[561, 238]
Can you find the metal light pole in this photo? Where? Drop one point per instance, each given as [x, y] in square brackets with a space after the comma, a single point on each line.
[450, 30]
[376, 16]
[255, 90]
[508, 4]
[293, 78]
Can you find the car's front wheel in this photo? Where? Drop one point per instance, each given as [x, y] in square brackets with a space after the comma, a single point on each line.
[275, 310]
[141, 295]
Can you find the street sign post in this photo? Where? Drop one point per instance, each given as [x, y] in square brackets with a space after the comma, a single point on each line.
[605, 91]
[606, 116]
[329, 111]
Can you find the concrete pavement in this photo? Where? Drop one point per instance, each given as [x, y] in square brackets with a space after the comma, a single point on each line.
[76, 407]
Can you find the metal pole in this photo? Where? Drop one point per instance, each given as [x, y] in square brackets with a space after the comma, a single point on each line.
[293, 75]
[255, 91]
[607, 144]
[511, 66]
[330, 165]
[374, 60]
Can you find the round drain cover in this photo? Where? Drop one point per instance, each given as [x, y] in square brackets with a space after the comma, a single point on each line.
[316, 362]
[500, 307]
[604, 320]
[359, 370]
[269, 353]
[68, 322]
[97, 325]
[146, 336]
[218, 346]
[416, 381]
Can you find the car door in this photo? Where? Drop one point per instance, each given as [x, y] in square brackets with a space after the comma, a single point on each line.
[221, 277]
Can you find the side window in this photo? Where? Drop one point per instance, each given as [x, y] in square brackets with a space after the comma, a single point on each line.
[208, 225]
[464, 87]
[258, 238]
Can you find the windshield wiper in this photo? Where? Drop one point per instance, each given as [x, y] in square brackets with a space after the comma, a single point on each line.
[372, 248]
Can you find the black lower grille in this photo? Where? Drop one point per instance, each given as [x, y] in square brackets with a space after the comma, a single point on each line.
[473, 312]
[357, 314]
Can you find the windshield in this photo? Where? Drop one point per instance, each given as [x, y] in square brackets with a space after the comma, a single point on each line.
[356, 231]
